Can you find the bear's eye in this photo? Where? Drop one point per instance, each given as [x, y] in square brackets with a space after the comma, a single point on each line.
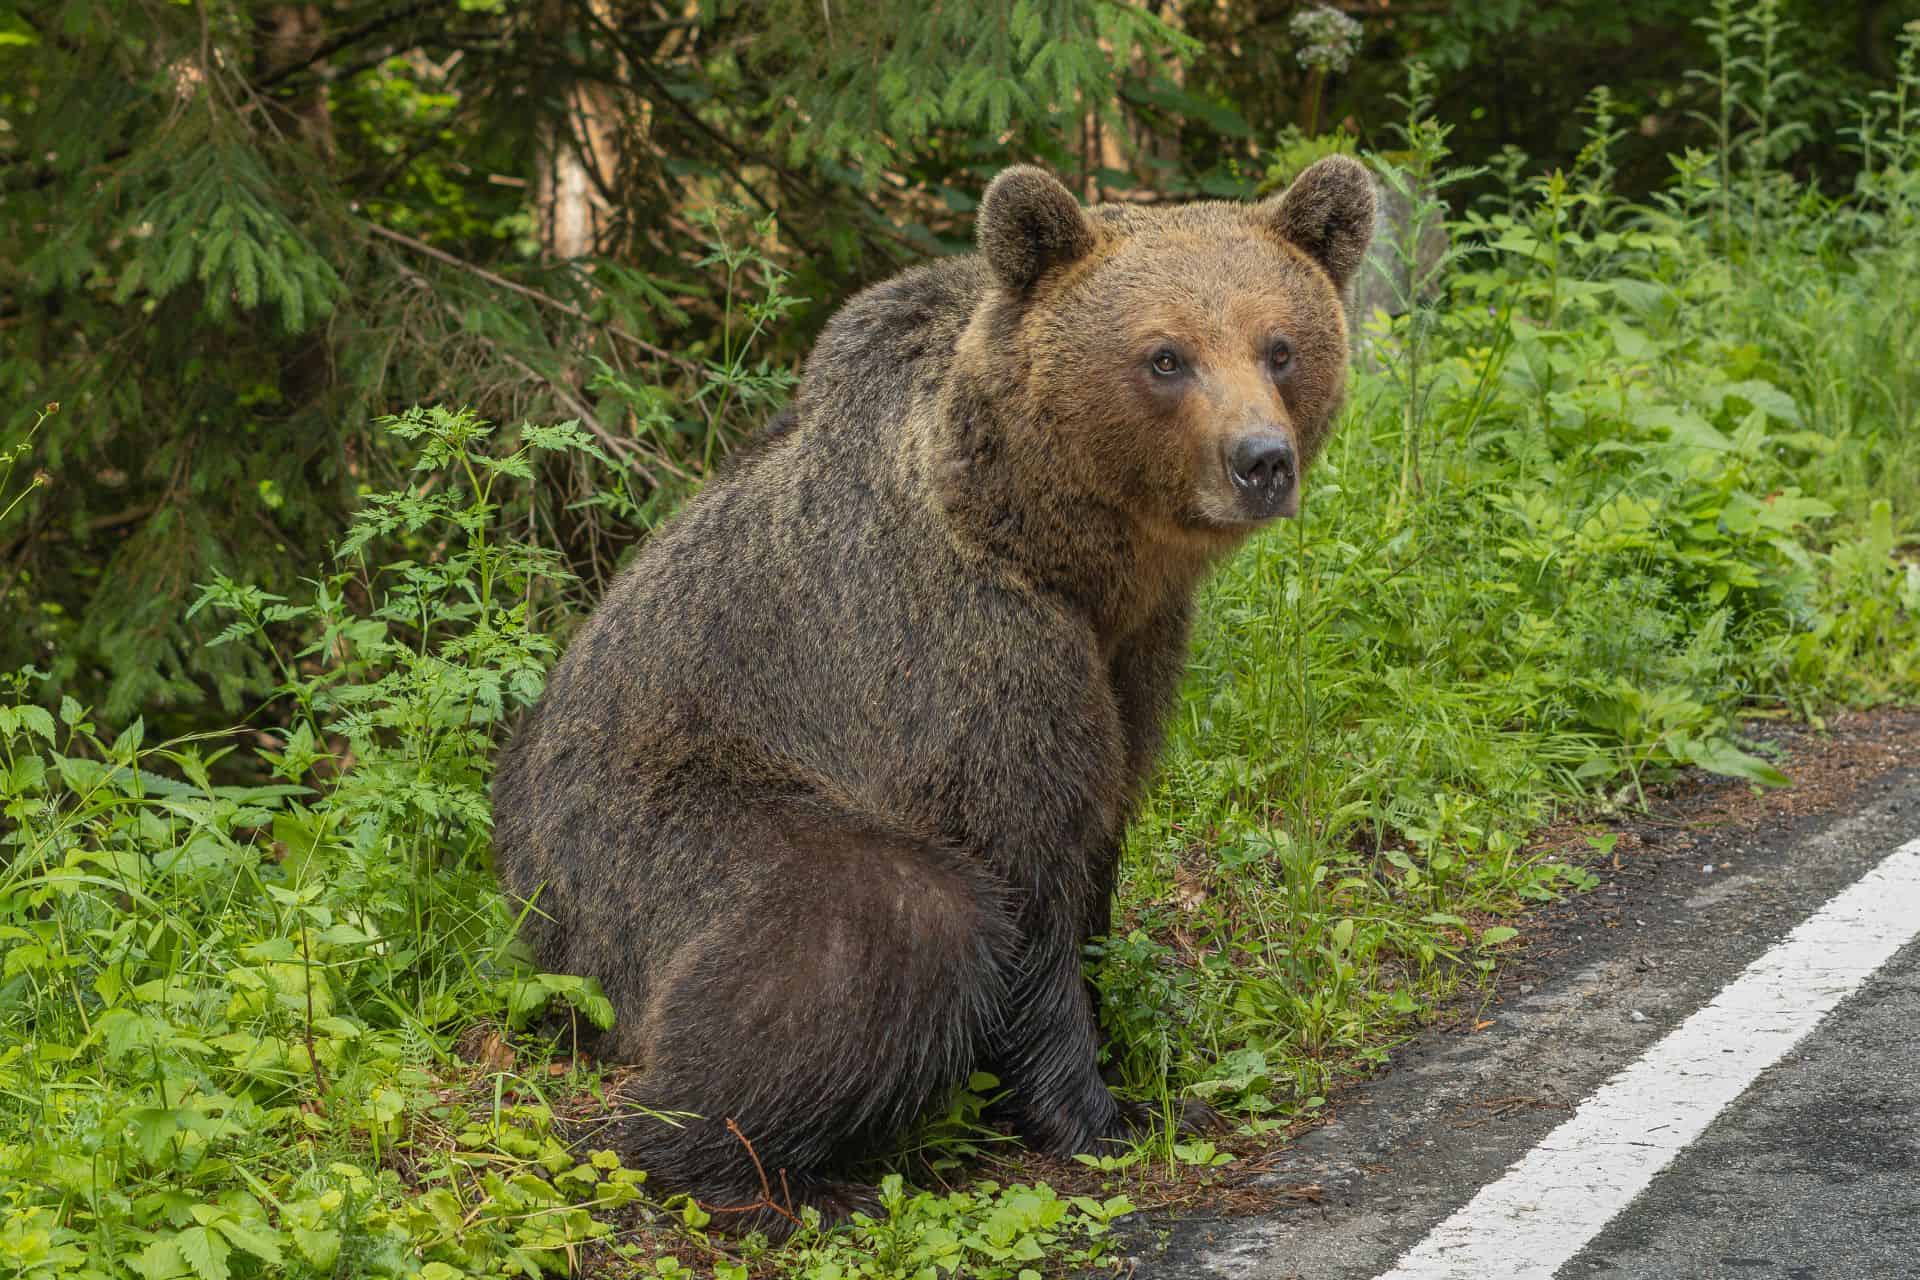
[1165, 361]
[1281, 357]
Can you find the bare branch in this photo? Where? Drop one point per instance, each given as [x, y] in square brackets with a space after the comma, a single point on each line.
[546, 299]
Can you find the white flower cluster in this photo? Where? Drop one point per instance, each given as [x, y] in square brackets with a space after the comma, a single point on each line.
[1328, 38]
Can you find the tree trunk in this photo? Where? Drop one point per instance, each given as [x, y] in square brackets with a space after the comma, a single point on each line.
[289, 35]
[578, 160]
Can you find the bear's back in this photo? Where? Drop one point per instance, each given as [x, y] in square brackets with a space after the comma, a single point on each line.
[889, 345]
[779, 611]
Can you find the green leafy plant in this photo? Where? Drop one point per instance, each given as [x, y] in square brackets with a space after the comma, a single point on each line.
[236, 998]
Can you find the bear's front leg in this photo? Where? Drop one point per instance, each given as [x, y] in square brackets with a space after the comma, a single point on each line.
[1045, 1049]
[1047, 1056]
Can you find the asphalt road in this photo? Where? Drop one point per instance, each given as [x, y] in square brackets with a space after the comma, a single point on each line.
[1812, 1172]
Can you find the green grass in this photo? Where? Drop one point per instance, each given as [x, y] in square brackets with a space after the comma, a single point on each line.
[1644, 476]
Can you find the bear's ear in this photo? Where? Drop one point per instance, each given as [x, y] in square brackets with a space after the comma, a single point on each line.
[1328, 212]
[1029, 223]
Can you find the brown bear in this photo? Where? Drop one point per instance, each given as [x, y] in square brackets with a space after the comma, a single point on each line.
[829, 791]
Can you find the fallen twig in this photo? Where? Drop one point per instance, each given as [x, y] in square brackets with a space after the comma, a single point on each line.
[766, 1200]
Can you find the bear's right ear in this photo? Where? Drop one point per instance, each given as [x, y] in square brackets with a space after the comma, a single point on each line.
[1030, 223]
[1327, 211]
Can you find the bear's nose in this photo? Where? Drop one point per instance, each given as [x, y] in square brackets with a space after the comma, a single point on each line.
[1262, 466]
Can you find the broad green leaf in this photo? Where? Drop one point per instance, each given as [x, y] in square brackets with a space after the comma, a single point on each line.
[160, 1260]
[205, 1251]
[320, 1248]
[36, 720]
[254, 1239]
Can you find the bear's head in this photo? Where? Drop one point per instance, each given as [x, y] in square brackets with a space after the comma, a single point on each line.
[1185, 362]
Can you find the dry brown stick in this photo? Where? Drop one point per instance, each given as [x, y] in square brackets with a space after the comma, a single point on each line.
[766, 1200]
[629, 451]
[766, 1191]
[624, 449]
[546, 299]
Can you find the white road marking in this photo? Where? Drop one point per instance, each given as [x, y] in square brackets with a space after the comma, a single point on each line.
[1559, 1195]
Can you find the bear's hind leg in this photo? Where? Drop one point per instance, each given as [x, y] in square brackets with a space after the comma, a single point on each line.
[849, 979]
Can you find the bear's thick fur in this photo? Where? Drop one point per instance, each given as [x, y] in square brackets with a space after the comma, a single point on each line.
[828, 793]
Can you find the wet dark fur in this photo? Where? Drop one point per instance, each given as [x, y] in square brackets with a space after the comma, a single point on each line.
[829, 791]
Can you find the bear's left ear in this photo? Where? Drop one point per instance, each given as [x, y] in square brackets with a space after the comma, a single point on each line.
[1028, 224]
[1328, 212]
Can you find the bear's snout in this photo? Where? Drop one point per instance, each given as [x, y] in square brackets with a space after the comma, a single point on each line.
[1264, 469]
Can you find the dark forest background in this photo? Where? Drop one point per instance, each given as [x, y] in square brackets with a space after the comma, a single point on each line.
[232, 234]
